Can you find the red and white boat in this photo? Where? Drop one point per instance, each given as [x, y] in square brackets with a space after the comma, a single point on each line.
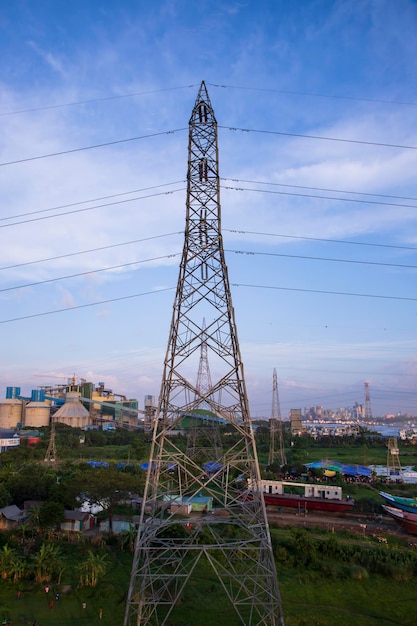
[405, 519]
[304, 496]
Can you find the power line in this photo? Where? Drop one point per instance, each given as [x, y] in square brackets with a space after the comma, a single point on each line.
[98, 206]
[339, 241]
[333, 293]
[306, 195]
[338, 139]
[227, 187]
[357, 193]
[315, 95]
[126, 243]
[319, 291]
[318, 258]
[84, 306]
[98, 145]
[88, 272]
[64, 256]
[234, 128]
[155, 91]
[93, 100]
[172, 255]
[114, 195]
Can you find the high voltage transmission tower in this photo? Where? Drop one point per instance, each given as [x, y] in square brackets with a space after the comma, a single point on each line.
[204, 439]
[233, 540]
[50, 455]
[276, 427]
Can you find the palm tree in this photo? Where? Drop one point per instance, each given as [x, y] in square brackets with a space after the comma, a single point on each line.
[32, 517]
[92, 568]
[128, 538]
[8, 557]
[45, 562]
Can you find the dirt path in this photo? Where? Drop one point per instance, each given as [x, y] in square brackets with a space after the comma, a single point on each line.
[379, 526]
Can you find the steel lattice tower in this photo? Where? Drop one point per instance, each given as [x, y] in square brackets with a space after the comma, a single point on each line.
[204, 440]
[233, 542]
[50, 455]
[276, 425]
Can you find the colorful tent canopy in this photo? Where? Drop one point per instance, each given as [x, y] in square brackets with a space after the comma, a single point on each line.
[340, 468]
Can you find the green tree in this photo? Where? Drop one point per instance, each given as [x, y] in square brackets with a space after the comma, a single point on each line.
[128, 537]
[46, 561]
[8, 558]
[108, 487]
[31, 482]
[51, 514]
[5, 496]
[94, 567]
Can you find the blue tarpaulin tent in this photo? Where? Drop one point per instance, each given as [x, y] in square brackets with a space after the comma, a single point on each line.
[346, 470]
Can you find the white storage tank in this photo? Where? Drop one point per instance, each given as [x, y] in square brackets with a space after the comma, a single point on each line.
[11, 413]
[38, 411]
[37, 414]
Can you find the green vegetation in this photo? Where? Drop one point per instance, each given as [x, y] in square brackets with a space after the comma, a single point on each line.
[325, 578]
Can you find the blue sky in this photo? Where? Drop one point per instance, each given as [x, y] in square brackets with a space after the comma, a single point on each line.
[321, 191]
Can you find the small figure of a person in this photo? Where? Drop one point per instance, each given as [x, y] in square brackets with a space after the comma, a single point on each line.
[19, 595]
[84, 605]
[57, 597]
[51, 604]
[46, 589]
[100, 613]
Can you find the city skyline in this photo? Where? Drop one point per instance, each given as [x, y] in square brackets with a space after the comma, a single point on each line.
[316, 108]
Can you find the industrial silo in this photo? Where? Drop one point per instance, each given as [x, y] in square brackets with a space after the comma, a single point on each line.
[72, 413]
[37, 412]
[11, 409]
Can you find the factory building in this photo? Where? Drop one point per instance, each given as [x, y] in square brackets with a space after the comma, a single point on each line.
[76, 404]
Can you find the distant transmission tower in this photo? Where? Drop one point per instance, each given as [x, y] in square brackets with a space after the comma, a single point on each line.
[276, 427]
[204, 440]
[50, 456]
[368, 410]
[394, 469]
[233, 542]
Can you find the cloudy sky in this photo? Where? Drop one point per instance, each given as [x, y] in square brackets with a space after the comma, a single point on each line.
[317, 108]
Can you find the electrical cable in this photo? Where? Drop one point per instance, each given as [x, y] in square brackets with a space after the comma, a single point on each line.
[88, 272]
[126, 243]
[113, 245]
[98, 145]
[357, 193]
[120, 298]
[333, 293]
[306, 195]
[314, 95]
[338, 241]
[172, 255]
[89, 304]
[98, 206]
[93, 100]
[321, 138]
[233, 128]
[226, 187]
[114, 195]
[318, 258]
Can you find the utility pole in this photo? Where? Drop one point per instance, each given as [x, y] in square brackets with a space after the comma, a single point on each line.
[276, 426]
[233, 541]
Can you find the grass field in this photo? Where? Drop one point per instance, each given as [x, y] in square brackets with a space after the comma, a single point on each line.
[311, 596]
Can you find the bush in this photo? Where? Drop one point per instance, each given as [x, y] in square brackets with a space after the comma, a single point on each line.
[358, 573]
